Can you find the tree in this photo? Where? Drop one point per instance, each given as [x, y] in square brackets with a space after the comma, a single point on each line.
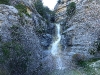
[71, 9]
[40, 8]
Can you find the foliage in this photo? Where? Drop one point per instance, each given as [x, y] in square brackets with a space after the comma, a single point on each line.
[40, 30]
[87, 68]
[96, 49]
[52, 17]
[4, 2]
[78, 59]
[15, 32]
[84, 64]
[71, 9]
[0, 38]
[13, 56]
[45, 12]
[40, 8]
[22, 9]
[92, 51]
[98, 46]
[59, 1]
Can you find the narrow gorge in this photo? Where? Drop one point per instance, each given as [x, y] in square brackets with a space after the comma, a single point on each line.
[35, 40]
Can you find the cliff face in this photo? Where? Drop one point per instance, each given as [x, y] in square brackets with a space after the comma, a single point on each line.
[60, 10]
[61, 7]
[81, 31]
[25, 34]
[23, 37]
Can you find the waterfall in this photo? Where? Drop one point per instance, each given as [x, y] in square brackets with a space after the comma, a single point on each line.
[56, 49]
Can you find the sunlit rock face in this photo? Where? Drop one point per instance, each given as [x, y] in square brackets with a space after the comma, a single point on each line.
[82, 29]
[60, 10]
[61, 7]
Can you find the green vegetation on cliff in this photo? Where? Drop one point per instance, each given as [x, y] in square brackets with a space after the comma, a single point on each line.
[4, 1]
[13, 56]
[22, 9]
[45, 12]
[71, 9]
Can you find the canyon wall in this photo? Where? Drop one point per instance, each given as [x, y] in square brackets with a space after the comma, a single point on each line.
[80, 31]
[23, 30]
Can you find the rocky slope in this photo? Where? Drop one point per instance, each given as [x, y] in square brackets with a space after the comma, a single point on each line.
[24, 35]
[80, 30]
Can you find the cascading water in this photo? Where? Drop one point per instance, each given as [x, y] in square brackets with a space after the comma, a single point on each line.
[56, 49]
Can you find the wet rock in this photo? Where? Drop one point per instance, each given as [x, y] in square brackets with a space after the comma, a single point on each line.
[46, 40]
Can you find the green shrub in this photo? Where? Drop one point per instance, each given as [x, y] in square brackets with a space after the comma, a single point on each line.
[4, 2]
[92, 51]
[52, 19]
[22, 9]
[5, 49]
[15, 57]
[98, 46]
[40, 8]
[0, 38]
[96, 49]
[3, 71]
[40, 30]
[71, 9]
[15, 32]
[59, 1]
[78, 59]
[45, 12]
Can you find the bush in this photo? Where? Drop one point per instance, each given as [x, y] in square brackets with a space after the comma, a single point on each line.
[0, 38]
[40, 8]
[59, 1]
[52, 17]
[15, 32]
[71, 9]
[45, 12]
[15, 57]
[40, 30]
[78, 59]
[98, 46]
[4, 2]
[22, 9]
[92, 51]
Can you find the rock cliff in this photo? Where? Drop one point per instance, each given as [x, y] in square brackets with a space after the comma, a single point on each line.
[80, 24]
[24, 35]
[81, 31]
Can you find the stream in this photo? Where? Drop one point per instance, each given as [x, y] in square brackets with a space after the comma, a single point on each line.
[56, 49]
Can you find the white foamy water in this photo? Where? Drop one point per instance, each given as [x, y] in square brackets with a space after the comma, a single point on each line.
[56, 49]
